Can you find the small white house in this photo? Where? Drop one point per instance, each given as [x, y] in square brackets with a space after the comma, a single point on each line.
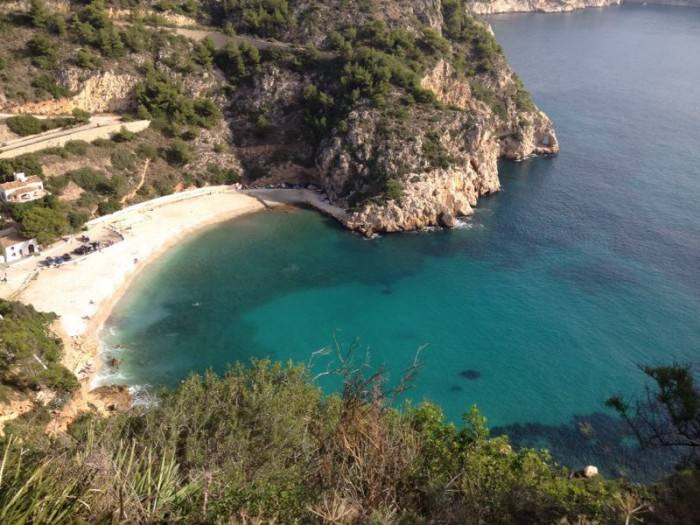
[22, 189]
[15, 247]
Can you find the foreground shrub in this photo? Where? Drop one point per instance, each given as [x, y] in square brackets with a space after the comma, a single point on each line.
[29, 353]
[264, 441]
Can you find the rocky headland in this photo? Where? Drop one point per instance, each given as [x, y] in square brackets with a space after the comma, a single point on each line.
[399, 113]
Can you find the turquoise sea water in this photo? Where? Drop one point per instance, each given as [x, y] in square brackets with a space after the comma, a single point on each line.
[543, 305]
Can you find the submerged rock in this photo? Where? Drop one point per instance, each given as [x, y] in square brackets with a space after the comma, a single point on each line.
[470, 374]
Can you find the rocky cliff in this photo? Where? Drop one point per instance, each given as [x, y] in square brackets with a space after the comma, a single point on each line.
[400, 148]
[96, 93]
[440, 161]
[399, 111]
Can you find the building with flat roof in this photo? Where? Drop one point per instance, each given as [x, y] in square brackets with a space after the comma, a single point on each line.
[22, 189]
[14, 246]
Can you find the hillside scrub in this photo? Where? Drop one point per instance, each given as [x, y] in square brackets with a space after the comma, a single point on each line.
[290, 81]
[29, 353]
[25, 125]
[263, 441]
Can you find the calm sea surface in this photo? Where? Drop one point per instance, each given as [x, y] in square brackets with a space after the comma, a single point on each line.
[543, 305]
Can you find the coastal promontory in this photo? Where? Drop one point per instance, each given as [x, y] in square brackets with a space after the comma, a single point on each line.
[397, 112]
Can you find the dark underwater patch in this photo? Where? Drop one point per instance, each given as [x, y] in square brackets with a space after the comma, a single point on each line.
[470, 374]
[594, 439]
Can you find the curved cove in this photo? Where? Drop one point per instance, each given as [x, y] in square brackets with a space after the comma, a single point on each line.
[542, 305]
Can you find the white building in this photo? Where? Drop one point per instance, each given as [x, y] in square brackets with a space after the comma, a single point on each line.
[22, 189]
[14, 247]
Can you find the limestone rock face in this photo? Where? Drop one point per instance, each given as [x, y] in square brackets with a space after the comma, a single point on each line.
[435, 165]
[106, 91]
[448, 88]
[434, 198]
[487, 7]
[431, 193]
[98, 93]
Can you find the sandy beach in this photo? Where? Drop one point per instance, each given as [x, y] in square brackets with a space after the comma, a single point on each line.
[83, 291]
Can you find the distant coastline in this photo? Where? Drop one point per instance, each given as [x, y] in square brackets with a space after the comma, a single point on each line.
[495, 7]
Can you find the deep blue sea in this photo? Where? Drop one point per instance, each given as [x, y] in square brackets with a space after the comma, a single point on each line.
[545, 302]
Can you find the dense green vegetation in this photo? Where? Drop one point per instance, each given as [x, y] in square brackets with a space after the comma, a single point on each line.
[261, 17]
[263, 441]
[160, 97]
[376, 63]
[24, 125]
[45, 219]
[29, 354]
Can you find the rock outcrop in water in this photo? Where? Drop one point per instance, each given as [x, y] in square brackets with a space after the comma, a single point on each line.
[446, 158]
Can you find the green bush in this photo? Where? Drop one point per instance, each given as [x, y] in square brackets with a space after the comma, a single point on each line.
[264, 441]
[147, 151]
[77, 219]
[25, 341]
[77, 147]
[435, 153]
[45, 224]
[93, 181]
[461, 25]
[43, 51]
[394, 190]
[38, 13]
[123, 160]
[24, 125]
[124, 135]
[103, 143]
[238, 61]
[261, 17]
[57, 184]
[46, 84]
[179, 153]
[109, 206]
[28, 163]
[57, 25]
[80, 116]
[87, 59]
[490, 98]
[159, 97]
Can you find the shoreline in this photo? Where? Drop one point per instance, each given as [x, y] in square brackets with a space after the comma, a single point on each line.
[274, 197]
[83, 292]
[107, 306]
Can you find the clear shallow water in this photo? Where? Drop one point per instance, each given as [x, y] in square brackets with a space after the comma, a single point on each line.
[583, 267]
